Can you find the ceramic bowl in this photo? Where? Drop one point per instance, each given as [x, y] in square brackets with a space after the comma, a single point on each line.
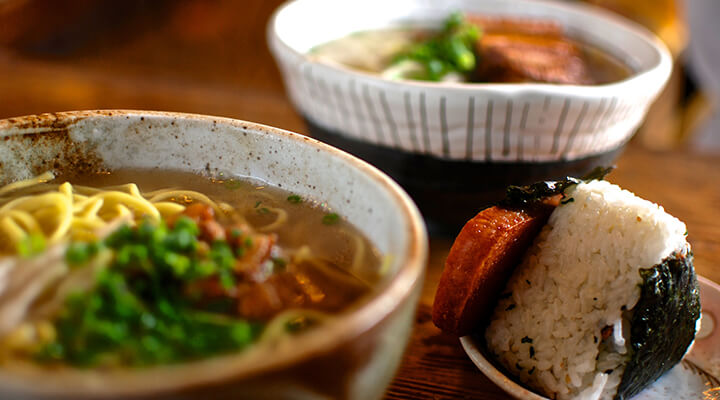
[456, 146]
[353, 356]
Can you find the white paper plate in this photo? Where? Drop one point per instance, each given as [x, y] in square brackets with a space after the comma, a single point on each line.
[697, 377]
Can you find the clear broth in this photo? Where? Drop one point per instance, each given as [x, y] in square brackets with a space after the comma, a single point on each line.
[372, 51]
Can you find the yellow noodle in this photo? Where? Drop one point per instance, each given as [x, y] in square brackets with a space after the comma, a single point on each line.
[143, 206]
[120, 211]
[90, 208]
[28, 203]
[304, 254]
[44, 177]
[154, 193]
[52, 203]
[65, 212]
[282, 217]
[193, 195]
[83, 236]
[12, 230]
[66, 189]
[39, 188]
[167, 208]
[88, 224]
[26, 220]
[227, 208]
[129, 188]
[46, 218]
[358, 254]
[87, 190]
[385, 265]
[81, 202]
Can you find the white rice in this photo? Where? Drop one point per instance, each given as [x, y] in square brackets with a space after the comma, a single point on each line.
[579, 276]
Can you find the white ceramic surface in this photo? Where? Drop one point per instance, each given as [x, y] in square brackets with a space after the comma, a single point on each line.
[479, 122]
[358, 351]
[697, 377]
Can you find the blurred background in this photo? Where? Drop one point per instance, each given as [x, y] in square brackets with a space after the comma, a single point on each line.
[211, 57]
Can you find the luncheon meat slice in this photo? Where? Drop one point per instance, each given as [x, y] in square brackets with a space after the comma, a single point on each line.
[480, 262]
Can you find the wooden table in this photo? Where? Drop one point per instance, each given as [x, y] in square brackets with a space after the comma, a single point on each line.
[223, 67]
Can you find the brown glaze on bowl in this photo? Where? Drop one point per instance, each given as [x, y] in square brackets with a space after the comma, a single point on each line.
[353, 356]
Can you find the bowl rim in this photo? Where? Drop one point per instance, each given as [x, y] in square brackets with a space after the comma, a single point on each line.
[236, 366]
[662, 67]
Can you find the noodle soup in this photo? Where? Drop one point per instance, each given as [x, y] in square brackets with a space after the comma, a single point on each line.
[476, 49]
[138, 267]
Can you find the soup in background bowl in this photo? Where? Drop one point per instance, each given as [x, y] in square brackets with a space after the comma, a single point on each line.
[476, 49]
[161, 255]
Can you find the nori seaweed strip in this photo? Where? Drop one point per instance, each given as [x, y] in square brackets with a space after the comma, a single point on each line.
[663, 322]
[517, 196]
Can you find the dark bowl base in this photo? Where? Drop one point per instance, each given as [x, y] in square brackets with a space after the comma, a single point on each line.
[449, 192]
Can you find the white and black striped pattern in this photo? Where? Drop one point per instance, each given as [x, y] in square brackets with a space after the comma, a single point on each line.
[529, 122]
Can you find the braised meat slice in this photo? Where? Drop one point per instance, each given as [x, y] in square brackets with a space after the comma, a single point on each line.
[515, 51]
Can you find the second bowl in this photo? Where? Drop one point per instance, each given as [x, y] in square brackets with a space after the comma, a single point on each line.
[456, 146]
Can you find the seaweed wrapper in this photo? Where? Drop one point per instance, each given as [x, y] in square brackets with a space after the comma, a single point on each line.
[663, 322]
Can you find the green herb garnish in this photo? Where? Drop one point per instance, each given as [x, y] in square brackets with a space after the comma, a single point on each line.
[233, 184]
[330, 219]
[295, 199]
[279, 264]
[31, 245]
[139, 312]
[450, 50]
[79, 253]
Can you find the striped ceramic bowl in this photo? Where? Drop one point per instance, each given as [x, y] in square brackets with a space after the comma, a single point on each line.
[464, 142]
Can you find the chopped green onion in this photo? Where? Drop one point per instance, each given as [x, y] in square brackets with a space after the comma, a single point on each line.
[31, 245]
[452, 50]
[295, 199]
[233, 184]
[330, 219]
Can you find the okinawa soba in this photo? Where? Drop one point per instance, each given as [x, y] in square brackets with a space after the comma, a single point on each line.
[173, 267]
[476, 48]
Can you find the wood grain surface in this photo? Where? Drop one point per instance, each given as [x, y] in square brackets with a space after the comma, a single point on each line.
[223, 67]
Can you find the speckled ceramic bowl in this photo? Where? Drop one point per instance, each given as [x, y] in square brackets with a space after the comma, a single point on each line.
[456, 146]
[353, 356]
